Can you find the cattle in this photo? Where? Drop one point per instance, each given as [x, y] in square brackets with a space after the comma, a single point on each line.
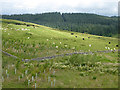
[72, 33]
[116, 45]
[88, 37]
[76, 36]
[27, 25]
[17, 23]
[83, 39]
[109, 42]
[24, 23]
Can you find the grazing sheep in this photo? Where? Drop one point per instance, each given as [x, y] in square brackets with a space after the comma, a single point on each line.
[114, 49]
[56, 46]
[89, 45]
[47, 39]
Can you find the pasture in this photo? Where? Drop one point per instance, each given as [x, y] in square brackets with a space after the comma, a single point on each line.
[28, 40]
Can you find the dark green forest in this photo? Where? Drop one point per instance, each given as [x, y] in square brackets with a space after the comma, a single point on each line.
[77, 22]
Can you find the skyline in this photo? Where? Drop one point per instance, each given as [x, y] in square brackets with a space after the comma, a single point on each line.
[101, 7]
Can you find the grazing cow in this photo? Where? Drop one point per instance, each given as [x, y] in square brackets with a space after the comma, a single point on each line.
[17, 23]
[24, 23]
[72, 33]
[116, 45]
[76, 36]
[27, 25]
[109, 42]
[88, 37]
[83, 39]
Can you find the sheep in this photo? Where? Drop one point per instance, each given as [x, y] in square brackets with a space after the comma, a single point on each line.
[89, 45]
[56, 46]
[28, 37]
[47, 39]
[114, 49]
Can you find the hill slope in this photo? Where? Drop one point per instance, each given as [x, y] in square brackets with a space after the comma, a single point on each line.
[28, 40]
[77, 22]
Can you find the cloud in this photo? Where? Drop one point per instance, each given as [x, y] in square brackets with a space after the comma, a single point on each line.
[103, 7]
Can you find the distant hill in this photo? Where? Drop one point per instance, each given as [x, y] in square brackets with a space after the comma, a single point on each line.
[77, 22]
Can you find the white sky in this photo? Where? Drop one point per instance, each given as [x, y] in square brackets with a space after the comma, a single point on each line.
[102, 7]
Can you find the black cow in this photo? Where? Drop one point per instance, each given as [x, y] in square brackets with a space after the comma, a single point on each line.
[88, 37]
[116, 45]
[24, 23]
[27, 25]
[76, 36]
[72, 33]
[83, 39]
[17, 23]
[109, 42]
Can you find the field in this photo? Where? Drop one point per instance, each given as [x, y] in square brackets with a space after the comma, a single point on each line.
[28, 40]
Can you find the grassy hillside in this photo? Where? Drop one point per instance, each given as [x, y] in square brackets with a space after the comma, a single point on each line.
[28, 40]
[77, 22]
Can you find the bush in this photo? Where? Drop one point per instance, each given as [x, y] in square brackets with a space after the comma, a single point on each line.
[94, 77]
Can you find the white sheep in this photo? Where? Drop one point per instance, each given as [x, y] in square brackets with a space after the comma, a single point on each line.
[114, 49]
[105, 47]
[53, 43]
[89, 45]
[47, 39]
[65, 45]
[56, 46]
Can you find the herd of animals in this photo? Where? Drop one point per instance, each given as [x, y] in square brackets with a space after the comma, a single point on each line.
[28, 25]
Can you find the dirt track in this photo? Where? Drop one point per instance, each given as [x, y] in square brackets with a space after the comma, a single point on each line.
[61, 55]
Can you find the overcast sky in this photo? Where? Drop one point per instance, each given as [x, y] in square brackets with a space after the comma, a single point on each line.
[101, 7]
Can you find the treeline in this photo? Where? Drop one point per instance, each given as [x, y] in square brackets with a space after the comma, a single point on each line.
[77, 22]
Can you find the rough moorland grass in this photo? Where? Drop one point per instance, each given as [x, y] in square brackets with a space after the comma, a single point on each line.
[82, 71]
[70, 71]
